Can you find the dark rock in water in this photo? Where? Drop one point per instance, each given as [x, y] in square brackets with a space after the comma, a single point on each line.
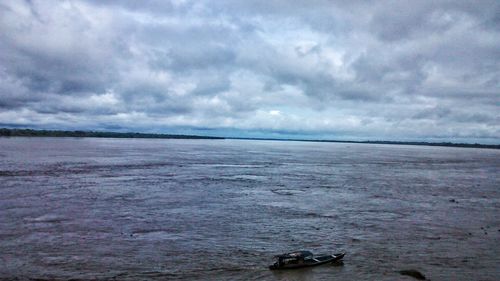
[434, 238]
[413, 273]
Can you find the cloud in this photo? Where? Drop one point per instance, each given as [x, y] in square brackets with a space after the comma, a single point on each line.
[385, 70]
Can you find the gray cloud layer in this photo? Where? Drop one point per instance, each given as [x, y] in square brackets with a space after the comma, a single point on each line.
[334, 69]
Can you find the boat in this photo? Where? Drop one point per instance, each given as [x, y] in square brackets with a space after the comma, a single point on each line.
[301, 259]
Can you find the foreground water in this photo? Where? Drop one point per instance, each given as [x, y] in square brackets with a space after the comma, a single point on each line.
[131, 209]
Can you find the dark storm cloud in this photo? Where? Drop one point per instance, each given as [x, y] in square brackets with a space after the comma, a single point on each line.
[388, 69]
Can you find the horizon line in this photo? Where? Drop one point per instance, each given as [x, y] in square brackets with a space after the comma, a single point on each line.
[28, 132]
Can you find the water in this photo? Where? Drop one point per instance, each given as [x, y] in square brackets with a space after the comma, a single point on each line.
[129, 209]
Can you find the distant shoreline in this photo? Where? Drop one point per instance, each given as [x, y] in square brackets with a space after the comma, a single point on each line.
[447, 144]
[6, 132]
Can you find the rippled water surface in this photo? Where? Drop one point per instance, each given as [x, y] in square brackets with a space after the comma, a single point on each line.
[146, 209]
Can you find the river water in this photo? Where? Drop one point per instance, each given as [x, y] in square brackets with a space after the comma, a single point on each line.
[145, 209]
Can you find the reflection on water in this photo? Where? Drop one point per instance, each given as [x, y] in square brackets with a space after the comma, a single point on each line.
[133, 209]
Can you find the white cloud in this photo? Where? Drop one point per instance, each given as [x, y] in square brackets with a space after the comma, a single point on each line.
[418, 70]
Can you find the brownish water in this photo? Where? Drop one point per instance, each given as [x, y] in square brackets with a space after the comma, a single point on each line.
[133, 209]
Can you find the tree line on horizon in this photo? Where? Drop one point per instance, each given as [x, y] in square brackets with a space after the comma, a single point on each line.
[6, 132]
[93, 134]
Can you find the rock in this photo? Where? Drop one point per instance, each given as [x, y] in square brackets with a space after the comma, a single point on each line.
[413, 273]
[434, 238]
[453, 200]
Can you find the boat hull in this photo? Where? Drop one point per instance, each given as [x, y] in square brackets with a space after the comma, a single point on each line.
[317, 261]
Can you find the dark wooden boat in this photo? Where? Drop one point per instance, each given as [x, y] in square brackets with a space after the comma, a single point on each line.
[301, 259]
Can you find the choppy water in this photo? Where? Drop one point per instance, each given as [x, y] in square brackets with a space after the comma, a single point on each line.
[134, 209]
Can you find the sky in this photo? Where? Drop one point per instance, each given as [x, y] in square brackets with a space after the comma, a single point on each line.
[343, 70]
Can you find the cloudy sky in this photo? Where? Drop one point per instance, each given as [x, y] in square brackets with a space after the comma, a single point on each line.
[378, 70]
